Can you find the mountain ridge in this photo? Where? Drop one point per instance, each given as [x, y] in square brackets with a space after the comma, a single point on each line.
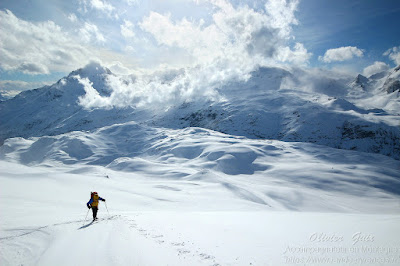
[273, 103]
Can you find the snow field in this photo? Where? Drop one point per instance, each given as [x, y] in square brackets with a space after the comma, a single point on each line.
[192, 197]
[263, 174]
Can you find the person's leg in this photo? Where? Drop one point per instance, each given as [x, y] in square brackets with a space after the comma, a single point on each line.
[94, 212]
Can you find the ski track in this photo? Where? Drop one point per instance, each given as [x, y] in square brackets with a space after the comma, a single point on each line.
[183, 249]
[178, 245]
[153, 238]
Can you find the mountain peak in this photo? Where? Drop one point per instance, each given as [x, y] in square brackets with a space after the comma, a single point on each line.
[90, 70]
[360, 79]
[392, 82]
[97, 75]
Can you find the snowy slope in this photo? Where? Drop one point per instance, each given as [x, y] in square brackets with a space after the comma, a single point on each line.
[380, 90]
[264, 107]
[136, 234]
[193, 197]
[55, 109]
[284, 176]
[392, 81]
[272, 104]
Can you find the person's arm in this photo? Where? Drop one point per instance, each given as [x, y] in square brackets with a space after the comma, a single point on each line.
[89, 202]
[101, 199]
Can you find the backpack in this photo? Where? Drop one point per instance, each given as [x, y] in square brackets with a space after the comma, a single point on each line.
[95, 197]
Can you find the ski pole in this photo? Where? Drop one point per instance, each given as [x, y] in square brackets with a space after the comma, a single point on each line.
[107, 208]
[86, 216]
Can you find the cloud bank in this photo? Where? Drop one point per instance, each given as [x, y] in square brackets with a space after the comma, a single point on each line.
[17, 85]
[37, 48]
[394, 54]
[225, 49]
[90, 33]
[341, 54]
[375, 68]
[234, 34]
[233, 39]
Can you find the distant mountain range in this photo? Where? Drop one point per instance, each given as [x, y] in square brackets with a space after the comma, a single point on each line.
[273, 103]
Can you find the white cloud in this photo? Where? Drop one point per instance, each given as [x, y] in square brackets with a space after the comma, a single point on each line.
[18, 85]
[102, 5]
[8, 94]
[127, 29]
[282, 14]
[341, 54]
[118, 68]
[37, 48]
[92, 97]
[89, 33]
[329, 82]
[129, 49]
[376, 67]
[72, 17]
[201, 43]
[394, 54]
[99, 5]
[225, 49]
[132, 2]
[159, 89]
[234, 34]
[298, 56]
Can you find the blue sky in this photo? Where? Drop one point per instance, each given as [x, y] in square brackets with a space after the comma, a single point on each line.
[43, 41]
[368, 24]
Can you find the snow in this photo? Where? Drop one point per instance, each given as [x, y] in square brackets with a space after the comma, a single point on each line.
[253, 178]
[192, 196]
[272, 103]
[164, 222]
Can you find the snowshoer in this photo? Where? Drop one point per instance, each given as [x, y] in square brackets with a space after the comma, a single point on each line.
[94, 203]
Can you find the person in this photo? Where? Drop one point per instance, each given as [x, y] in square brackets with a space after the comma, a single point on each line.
[94, 203]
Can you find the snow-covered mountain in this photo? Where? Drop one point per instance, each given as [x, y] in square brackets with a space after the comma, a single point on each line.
[392, 82]
[55, 109]
[204, 155]
[188, 195]
[386, 81]
[272, 103]
[243, 177]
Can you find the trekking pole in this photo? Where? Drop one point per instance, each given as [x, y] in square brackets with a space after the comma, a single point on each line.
[86, 216]
[107, 208]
